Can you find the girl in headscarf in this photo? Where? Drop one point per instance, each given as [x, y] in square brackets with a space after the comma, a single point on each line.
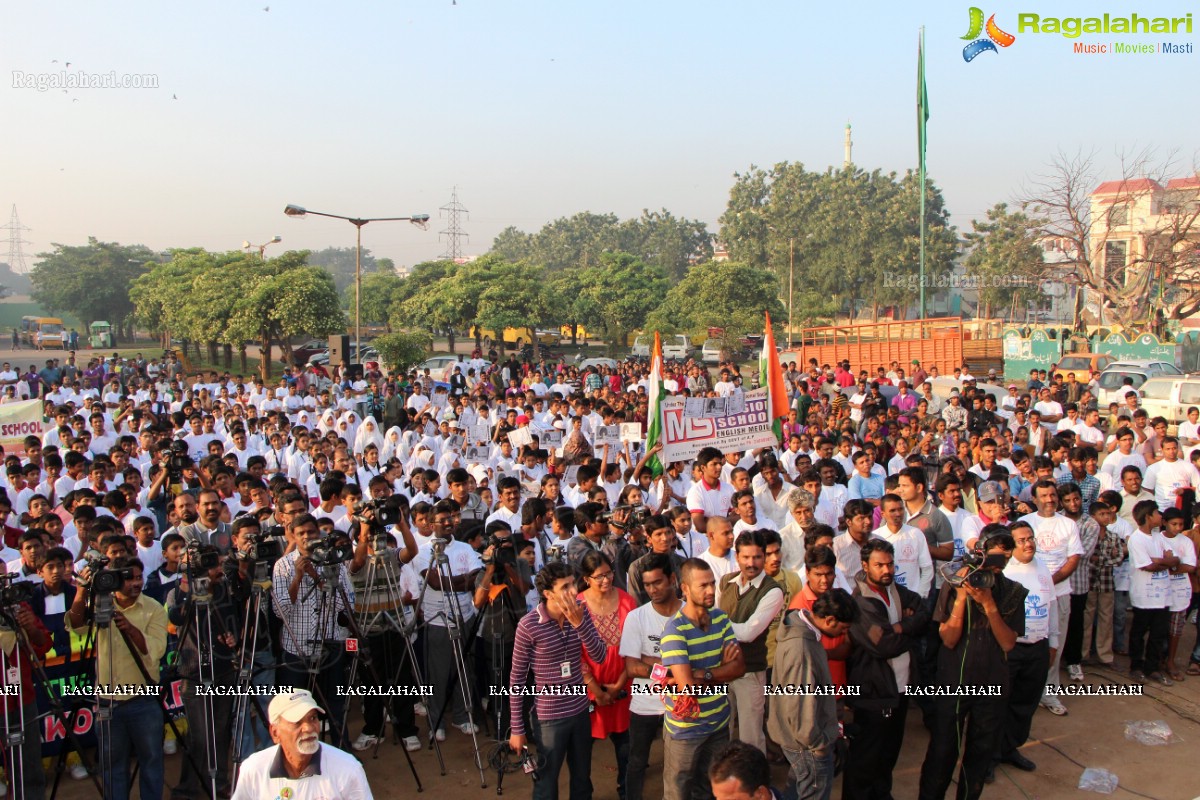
[368, 433]
[392, 443]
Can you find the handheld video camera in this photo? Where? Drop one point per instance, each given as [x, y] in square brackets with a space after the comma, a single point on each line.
[503, 551]
[635, 518]
[178, 461]
[556, 552]
[979, 574]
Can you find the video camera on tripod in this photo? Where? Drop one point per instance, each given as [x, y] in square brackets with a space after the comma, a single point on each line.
[105, 581]
[264, 548]
[504, 551]
[387, 512]
[13, 593]
[336, 548]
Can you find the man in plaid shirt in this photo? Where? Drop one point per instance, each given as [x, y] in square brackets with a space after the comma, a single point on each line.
[1070, 496]
[1089, 485]
[1110, 553]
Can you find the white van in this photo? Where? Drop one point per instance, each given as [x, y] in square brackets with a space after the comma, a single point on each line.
[1170, 396]
[674, 346]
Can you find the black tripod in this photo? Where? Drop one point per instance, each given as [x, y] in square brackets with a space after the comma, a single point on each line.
[451, 616]
[375, 613]
[15, 726]
[260, 585]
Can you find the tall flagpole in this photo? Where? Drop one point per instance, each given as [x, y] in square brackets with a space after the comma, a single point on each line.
[922, 116]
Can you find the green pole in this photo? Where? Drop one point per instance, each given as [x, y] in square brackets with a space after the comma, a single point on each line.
[922, 116]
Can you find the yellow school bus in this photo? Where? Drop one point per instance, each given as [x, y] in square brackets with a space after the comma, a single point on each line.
[50, 328]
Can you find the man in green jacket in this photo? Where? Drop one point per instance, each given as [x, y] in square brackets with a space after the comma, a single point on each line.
[803, 718]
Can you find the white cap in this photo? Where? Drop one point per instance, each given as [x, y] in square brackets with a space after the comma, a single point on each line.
[293, 706]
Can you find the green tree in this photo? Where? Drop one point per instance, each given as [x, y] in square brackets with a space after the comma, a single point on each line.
[91, 281]
[403, 350]
[664, 240]
[723, 294]
[444, 297]
[619, 292]
[1005, 261]
[517, 295]
[379, 291]
[855, 234]
[339, 262]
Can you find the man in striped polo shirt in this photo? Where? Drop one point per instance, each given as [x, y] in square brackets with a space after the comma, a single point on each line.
[701, 651]
[550, 640]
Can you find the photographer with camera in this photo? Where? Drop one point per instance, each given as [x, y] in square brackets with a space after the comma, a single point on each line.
[982, 614]
[207, 651]
[500, 590]
[375, 574]
[314, 635]
[136, 720]
[22, 637]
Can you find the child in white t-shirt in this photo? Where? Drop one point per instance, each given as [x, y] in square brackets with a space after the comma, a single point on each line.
[1179, 589]
[1151, 561]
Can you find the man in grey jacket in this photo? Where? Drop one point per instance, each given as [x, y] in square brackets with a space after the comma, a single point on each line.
[803, 718]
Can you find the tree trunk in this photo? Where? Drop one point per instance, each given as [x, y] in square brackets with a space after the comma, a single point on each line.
[450, 337]
[264, 366]
[574, 334]
[242, 358]
[536, 345]
[228, 356]
[212, 352]
[199, 355]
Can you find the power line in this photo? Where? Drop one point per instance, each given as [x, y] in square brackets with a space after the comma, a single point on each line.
[453, 212]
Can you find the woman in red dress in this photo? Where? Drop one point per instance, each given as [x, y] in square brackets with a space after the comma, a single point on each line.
[608, 683]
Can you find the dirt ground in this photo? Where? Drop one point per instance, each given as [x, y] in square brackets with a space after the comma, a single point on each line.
[1091, 735]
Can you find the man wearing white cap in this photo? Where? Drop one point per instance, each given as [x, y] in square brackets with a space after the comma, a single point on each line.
[299, 767]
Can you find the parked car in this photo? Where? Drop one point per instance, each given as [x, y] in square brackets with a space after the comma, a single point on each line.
[303, 353]
[1083, 364]
[710, 353]
[442, 366]
[1170, 396]
[369, 354]
[1112, 379]
[675, 346]
[584, 363]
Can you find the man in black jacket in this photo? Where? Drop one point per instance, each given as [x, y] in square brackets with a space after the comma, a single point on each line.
[891, 620]
[979, 626]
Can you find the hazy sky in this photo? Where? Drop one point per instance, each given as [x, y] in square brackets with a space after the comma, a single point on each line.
[534, 110]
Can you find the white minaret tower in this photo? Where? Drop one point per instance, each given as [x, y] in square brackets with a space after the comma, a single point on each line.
[849, 146]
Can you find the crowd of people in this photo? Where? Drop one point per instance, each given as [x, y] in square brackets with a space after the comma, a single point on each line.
[899, 549]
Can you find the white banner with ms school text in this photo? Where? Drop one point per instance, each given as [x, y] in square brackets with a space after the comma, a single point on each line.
[18, 420]
[684, 436]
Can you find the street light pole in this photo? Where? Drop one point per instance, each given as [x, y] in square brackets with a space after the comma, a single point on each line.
[420, 220]
[261, 248]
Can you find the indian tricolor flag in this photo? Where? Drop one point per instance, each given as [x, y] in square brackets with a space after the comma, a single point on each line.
[770, 375]
[654, 416]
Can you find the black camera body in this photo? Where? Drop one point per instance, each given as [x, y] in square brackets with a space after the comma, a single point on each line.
[334, 549]
[504, 552]
[104, 580]
[179, 460]
[978, 575]
[264, 547]
[14, 592]
[387, 511]
[635, 519]
[202, 559]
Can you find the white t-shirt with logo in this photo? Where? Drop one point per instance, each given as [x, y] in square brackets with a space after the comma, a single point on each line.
[1041, 604]
[641, 636]
[914, 565]
[1180, 596]
[1147, 590]
[1164, 477]
[1057, 540]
